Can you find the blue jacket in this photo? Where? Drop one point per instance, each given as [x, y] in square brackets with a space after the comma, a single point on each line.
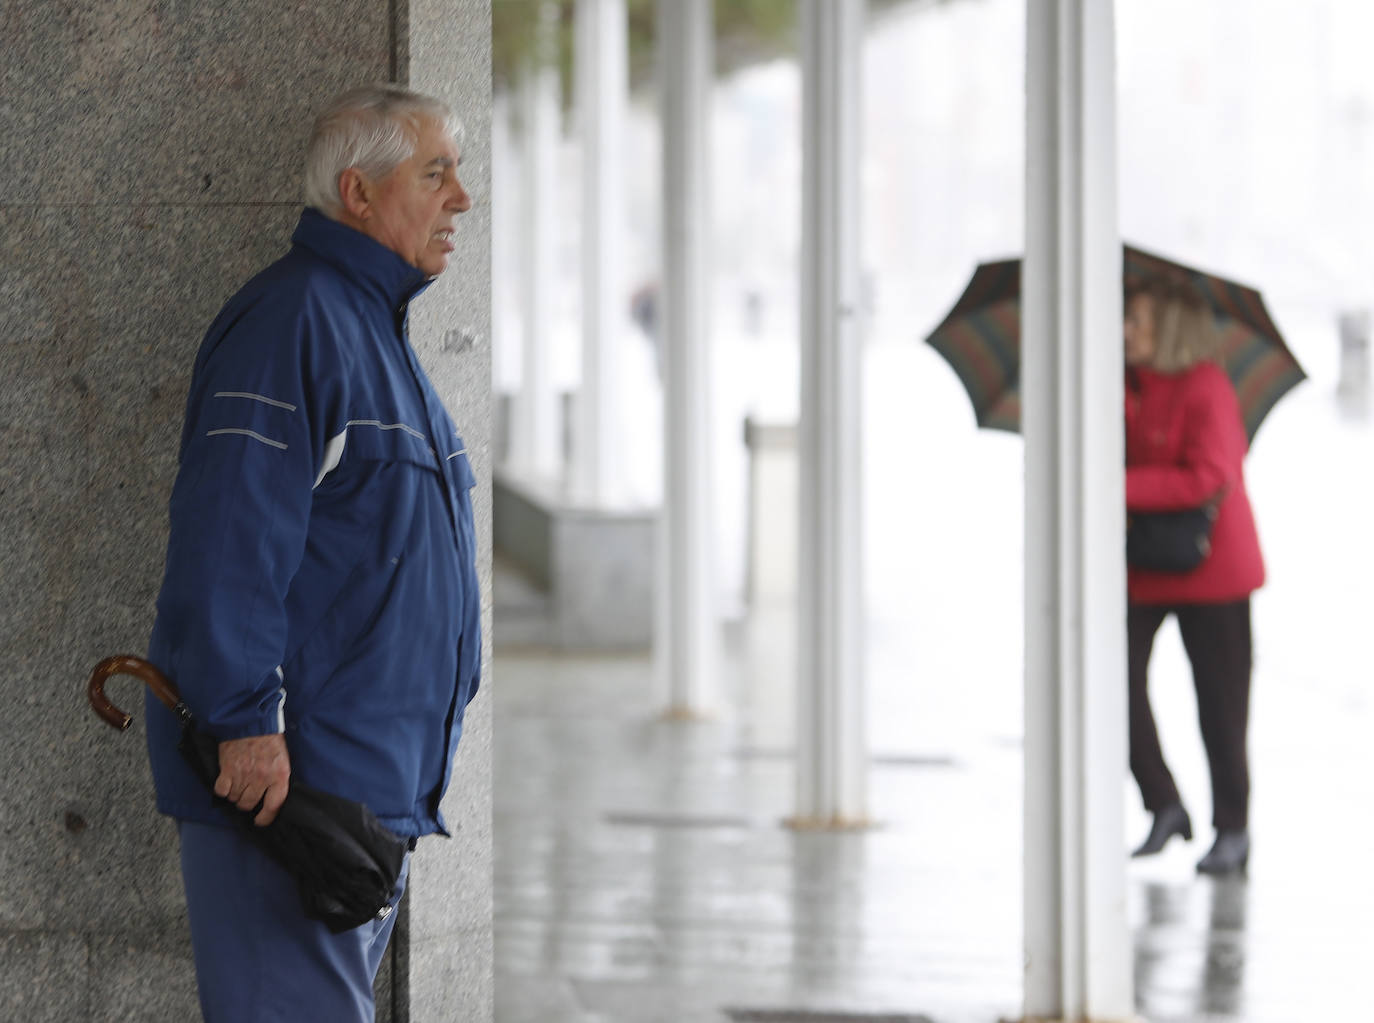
[321, 573]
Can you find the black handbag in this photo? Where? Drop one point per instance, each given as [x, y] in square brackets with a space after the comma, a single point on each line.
[1173, 541]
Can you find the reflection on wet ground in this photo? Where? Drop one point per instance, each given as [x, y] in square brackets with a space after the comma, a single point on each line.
[1190, 947]
[642, 874]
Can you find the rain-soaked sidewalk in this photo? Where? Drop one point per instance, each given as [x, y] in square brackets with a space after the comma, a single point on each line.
[643, 873]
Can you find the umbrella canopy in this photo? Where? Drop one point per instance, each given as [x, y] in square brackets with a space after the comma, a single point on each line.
[981, 339]
[344, 860]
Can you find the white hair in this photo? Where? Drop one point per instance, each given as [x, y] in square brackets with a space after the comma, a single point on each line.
[373, 128]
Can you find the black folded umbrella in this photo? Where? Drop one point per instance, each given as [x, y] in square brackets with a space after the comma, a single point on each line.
[344, 860]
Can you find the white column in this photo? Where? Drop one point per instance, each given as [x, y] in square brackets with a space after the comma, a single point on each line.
[1078, 954]
[687, 634]
[601, 62]
[505, 231]
[534, 442]
[831, 752]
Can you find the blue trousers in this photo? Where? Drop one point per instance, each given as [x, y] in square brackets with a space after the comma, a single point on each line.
[258, 958]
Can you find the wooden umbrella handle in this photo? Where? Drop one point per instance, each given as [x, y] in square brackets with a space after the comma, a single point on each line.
[127, 664]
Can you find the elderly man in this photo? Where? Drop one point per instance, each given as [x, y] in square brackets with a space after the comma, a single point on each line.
[320, 607]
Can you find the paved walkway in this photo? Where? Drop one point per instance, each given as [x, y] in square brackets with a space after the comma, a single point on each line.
[643, 875]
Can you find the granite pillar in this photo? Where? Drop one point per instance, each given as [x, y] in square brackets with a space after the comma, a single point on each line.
[149, 163]
[448, 932]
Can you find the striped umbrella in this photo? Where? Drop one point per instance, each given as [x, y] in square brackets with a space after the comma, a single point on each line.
[981, 339]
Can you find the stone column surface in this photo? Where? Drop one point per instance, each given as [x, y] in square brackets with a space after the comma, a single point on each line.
[149, 164]
[448, 955]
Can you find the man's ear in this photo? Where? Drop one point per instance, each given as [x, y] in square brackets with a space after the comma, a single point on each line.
[355, 193]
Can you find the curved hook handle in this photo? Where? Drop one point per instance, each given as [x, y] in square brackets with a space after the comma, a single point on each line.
[127, 664]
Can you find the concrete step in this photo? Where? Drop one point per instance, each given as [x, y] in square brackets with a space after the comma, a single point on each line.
[521, 611]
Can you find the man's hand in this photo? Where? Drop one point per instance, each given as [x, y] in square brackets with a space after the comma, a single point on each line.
[253, 770]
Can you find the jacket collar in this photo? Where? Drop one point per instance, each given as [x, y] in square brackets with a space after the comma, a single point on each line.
[369, 263]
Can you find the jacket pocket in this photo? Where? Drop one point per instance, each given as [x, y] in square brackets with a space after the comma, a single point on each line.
[349, 621]
[377, 440]
[457, 459]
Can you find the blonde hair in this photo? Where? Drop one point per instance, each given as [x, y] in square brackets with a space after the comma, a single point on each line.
[1185, 327]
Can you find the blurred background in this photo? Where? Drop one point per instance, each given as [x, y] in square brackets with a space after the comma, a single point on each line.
[641, 862]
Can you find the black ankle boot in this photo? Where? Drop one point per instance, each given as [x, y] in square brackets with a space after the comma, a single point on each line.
[1172, 820]
[1229, 855]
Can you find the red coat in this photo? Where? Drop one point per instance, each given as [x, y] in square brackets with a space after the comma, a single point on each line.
[1184, 441]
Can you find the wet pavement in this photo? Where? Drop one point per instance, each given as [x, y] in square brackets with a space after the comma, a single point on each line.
[643, 873]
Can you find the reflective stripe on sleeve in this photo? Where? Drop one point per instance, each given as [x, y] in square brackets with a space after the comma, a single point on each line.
[249, 433]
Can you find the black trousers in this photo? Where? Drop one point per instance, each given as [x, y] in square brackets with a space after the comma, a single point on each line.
[1217, 639]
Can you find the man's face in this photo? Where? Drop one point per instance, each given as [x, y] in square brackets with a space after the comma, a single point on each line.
[414, 208]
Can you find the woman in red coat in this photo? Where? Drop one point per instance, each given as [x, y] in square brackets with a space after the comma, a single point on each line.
[1185, 445]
